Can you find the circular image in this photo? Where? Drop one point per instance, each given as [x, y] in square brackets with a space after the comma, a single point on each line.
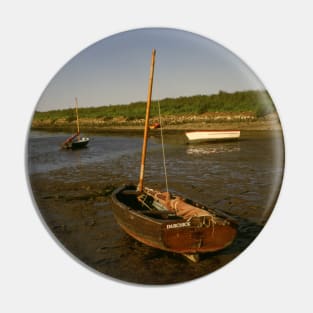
[155, 156]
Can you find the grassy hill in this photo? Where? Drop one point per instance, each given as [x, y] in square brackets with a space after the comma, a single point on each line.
[257, 102]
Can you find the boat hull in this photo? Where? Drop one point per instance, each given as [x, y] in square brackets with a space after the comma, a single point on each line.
[212, 135]
[174, 233]
[78, 144]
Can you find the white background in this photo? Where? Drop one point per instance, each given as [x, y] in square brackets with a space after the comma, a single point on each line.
[274, 38]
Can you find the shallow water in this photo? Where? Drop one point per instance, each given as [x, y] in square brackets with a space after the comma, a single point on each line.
[45, 153]
[72, 190]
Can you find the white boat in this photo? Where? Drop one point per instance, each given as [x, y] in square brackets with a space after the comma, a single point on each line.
[212, 135]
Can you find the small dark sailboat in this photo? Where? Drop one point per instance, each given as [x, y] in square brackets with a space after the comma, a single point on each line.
[166, 221]
[76, 141]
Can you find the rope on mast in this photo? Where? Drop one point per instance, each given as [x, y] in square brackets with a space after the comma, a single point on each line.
[163, 151]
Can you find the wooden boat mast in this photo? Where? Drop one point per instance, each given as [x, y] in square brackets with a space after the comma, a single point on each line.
[145, 137]
[77, 122]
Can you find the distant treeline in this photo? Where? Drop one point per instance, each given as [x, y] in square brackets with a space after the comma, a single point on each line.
[258, 102]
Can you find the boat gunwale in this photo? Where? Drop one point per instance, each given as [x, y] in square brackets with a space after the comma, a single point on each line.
[213, 130]
[217, 213]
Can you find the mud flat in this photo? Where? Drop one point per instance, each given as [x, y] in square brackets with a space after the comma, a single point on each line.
[74, 198]
[79, 215]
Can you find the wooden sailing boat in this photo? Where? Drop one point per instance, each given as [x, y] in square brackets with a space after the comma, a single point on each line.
[166, 221]
[75, 141]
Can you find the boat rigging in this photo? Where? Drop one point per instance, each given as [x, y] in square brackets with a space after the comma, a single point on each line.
[167, 221]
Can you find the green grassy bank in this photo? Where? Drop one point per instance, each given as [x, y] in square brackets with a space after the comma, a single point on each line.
[182, 112]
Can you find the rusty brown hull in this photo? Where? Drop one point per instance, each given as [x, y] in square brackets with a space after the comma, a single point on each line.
[169, 232]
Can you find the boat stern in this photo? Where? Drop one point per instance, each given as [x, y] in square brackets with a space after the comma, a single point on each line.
[184, 237]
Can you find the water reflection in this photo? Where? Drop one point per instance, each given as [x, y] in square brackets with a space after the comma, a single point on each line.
[213, 148]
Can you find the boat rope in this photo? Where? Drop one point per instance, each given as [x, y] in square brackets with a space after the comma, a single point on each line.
[163, 151]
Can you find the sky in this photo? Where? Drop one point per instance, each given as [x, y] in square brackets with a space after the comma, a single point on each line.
[115, 70]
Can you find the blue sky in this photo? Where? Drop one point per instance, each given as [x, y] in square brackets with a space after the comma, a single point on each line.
[115, 70]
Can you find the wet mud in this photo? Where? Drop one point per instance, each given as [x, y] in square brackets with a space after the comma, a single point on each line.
[242, 179]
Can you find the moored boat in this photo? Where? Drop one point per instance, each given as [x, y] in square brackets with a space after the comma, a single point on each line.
[75, 141]
[197, 136]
